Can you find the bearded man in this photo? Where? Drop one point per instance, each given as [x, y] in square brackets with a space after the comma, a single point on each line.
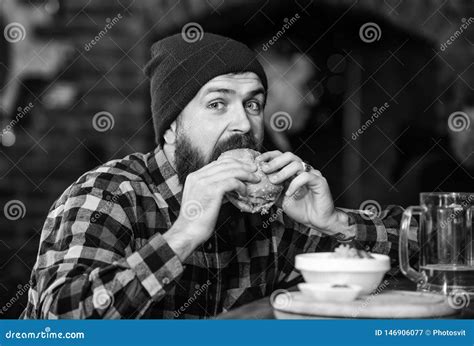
[154, 236]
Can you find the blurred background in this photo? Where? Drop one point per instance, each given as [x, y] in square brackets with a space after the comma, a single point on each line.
[378, 95]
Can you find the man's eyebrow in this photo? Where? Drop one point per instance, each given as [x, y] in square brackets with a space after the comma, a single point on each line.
[219, 90]
[233, 92]
[256, 92]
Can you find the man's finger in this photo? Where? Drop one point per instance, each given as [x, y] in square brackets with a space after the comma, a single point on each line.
[279, 162]
[243, 206]
[233, 185]
[286, 172]
[211, 170]
[231, 173]
[304, 179]
[229, 160]
[268, 155]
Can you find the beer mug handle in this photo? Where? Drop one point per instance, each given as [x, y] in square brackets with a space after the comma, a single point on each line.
[403, 254]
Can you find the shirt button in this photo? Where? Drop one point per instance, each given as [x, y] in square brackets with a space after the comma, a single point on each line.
[166, 281]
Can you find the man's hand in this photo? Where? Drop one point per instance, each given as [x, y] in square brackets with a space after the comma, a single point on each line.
[307, 198]
[203, 192]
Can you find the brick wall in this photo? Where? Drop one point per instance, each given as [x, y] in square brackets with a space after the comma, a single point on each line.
[55, 145]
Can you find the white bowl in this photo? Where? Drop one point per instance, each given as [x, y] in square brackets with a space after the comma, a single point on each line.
[323, 268]
[330, 293]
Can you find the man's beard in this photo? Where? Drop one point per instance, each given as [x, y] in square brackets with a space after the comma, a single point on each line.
[188, 158]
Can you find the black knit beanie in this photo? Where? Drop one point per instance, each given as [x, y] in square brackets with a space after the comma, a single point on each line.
[179, 67]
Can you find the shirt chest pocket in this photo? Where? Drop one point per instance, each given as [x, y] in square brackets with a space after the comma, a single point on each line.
[235, 297]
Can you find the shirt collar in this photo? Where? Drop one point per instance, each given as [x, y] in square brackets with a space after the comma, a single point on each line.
[165, 178]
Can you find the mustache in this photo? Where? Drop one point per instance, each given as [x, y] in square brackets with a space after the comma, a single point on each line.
[234, 142]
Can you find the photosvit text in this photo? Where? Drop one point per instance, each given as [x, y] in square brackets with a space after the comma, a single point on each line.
[419, 332]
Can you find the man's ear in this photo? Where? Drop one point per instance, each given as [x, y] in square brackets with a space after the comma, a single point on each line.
[171, 134]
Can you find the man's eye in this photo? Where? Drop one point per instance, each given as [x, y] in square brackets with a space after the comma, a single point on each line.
[254, 106]
[216, 105]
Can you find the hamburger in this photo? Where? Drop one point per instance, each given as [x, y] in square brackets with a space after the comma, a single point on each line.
[260, 196]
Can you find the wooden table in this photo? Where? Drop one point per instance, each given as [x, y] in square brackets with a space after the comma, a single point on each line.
[261, 309]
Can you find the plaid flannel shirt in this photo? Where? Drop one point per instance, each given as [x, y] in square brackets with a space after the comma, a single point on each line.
[102, 253]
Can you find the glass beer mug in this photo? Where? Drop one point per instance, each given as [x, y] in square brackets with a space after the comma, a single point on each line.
[445, 241]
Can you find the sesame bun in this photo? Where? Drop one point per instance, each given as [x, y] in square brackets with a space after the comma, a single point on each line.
[260, 196]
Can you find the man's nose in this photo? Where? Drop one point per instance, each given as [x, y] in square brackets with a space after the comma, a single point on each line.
[240, 122]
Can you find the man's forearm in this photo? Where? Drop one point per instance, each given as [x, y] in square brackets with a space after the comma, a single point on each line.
[378, 233]
[181, 239]
[341, 227]
[93, 290]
